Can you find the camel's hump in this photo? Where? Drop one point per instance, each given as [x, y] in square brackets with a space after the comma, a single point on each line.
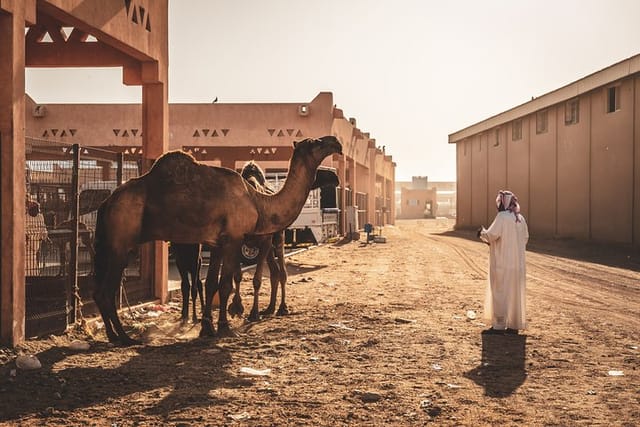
[178, 167]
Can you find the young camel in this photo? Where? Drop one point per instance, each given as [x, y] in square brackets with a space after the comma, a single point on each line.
[271, 249]
[183, 201]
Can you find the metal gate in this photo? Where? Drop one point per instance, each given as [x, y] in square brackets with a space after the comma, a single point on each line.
[69, 182]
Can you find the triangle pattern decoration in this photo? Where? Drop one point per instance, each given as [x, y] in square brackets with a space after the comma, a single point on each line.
[271, 131]
[225, 132]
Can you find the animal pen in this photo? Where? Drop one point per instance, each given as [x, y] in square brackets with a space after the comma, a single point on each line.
[69, 182]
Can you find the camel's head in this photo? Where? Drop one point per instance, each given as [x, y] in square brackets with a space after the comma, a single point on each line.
[326, 178]
[319, 148]
[252, 169]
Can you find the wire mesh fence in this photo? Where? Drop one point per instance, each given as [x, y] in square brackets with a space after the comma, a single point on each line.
[69, 182]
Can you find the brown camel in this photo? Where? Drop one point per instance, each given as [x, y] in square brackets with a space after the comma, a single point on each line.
[183, 201]
[271, 249]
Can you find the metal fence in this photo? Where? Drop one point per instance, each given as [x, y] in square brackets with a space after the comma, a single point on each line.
[69, 182]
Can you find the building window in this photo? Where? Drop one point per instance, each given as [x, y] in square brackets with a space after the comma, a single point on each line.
[516, 130]
[613, 99]
[497, 142]
[542, 122]
[572, 112]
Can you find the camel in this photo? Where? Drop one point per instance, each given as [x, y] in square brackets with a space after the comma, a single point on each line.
[184, 201]
[188, 258]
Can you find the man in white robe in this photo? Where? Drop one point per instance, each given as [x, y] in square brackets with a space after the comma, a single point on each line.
[507, 238]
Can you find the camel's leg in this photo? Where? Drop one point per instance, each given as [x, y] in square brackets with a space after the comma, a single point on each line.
[184, 288]
[230, 263]
[236, 308]
[274, 275]
[282, 270]
[264, 251]
[196, 285]
[105, 298]
[211, 286]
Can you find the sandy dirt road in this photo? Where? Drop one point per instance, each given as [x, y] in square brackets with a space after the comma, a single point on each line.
[379, 334]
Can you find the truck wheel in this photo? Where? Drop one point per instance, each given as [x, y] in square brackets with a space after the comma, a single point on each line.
[248, 254]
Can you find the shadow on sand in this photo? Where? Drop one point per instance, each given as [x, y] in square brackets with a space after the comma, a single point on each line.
[501, 370]
[167, 371]
[609, 254]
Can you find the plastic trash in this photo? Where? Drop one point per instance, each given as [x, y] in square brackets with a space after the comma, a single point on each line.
[255, 372]
[239, 417]
[341, 326]
[28, 362]
[615, 373]
[436, 367]
[471, 315]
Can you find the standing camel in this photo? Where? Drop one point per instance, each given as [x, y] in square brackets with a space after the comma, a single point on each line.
[183, 201]
[271, 249]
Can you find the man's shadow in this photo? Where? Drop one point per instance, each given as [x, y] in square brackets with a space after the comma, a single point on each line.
[502, 368]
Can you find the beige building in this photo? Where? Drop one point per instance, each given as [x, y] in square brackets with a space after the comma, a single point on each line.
[572, 156]
[420, 198]
[231, 134]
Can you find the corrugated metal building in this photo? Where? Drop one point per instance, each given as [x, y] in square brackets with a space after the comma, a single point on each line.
[572, 156]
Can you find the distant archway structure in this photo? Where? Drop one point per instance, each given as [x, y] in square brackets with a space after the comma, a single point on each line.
[131, 34]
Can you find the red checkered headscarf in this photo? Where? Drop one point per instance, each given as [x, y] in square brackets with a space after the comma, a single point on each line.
[508, 201]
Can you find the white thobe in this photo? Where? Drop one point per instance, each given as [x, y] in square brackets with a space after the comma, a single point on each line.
[505, 297]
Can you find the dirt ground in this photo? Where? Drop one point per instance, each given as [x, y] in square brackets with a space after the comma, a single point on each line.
[379, 334]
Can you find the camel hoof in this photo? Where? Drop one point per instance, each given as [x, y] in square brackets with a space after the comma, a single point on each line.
[236, 309]
[283, 311]
[207, 330]
[254, 316]
[225, 331]
[267, 311]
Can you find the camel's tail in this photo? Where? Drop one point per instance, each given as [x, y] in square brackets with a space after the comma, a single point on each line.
[100, 246]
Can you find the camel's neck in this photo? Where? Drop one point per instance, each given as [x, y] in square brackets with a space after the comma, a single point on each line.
[280, 210]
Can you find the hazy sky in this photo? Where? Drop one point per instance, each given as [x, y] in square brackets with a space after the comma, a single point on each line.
[410, 71]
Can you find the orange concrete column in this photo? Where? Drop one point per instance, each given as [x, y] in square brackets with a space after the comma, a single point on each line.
[155, 142]
[12, 176]
[372, 186]
[342, 164]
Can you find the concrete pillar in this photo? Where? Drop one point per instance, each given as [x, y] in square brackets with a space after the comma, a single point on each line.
[372, 186]
[12, 174]
[155, 142]
[343, 194]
